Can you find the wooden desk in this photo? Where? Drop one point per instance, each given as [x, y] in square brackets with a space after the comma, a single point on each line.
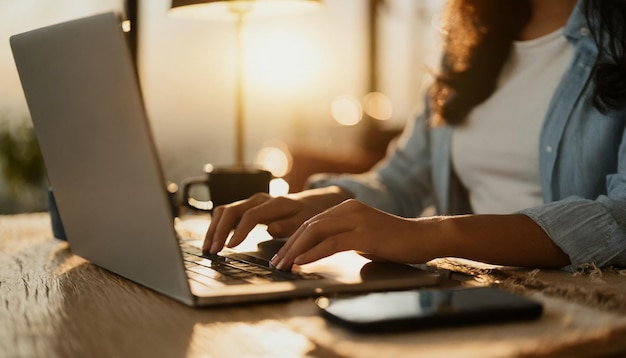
[54, 304]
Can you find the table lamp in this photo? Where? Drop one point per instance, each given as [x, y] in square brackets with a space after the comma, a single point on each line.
[213, 9]
[240, 181]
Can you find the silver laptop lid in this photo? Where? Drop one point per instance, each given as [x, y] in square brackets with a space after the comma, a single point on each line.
[86, 105]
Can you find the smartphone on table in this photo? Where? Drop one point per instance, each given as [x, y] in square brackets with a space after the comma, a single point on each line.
[427, 308]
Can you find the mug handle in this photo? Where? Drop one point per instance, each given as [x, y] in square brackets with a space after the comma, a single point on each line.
[193, 203]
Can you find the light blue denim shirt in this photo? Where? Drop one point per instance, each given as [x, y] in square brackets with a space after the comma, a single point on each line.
[582, 158]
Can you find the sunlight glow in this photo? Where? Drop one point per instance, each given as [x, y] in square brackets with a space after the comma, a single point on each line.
[346, 110]
[271, 337]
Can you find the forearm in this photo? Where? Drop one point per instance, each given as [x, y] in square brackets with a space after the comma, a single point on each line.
[513, 240]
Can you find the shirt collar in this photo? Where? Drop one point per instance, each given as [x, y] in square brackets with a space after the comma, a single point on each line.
[577, 27]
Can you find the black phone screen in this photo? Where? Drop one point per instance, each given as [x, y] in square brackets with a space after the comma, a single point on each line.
[420, 309]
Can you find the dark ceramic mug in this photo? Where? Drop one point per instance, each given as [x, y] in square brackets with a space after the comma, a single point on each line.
[224, 185]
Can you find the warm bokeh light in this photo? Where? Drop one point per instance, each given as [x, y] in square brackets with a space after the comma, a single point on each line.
[278, 187]
[275, 157]
[377, 105]
[346, 110]
[126, 26]
[278, 59]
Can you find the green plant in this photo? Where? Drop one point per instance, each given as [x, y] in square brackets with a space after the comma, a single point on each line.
[20, 157]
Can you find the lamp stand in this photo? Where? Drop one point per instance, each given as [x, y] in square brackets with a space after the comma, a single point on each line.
[240, 124]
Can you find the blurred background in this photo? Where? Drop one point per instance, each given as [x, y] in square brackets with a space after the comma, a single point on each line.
[325, 90]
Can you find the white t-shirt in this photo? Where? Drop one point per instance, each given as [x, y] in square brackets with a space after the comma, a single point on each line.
[496, 152]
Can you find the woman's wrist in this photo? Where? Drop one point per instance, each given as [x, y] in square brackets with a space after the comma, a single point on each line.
[512, 240]
[431, 238]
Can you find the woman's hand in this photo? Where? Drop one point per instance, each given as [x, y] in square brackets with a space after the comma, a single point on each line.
[512, 240]
[319, 228]
[282, 215]
[353, 225]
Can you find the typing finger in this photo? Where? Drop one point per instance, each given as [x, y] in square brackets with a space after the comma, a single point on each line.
[266, 211]
[324, 248]
[210, 234]
[311, 234]
[225, 218]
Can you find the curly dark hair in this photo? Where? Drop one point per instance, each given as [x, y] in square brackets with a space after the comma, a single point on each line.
[609, 71]
[478, 41]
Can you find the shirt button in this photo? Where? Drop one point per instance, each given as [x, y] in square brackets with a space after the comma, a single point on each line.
[548, 149]
[584, 31]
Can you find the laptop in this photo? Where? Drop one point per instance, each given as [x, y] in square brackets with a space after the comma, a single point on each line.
[85, 101]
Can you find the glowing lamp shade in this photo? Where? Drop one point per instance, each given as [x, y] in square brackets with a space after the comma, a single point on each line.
[223, 8]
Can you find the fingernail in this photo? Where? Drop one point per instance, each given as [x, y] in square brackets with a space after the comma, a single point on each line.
[281, 265]
[272, 261]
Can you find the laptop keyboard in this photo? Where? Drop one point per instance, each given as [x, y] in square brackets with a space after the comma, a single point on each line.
[234, 268]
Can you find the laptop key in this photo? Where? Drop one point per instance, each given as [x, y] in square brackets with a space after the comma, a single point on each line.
[240, 266]
[214, 275]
